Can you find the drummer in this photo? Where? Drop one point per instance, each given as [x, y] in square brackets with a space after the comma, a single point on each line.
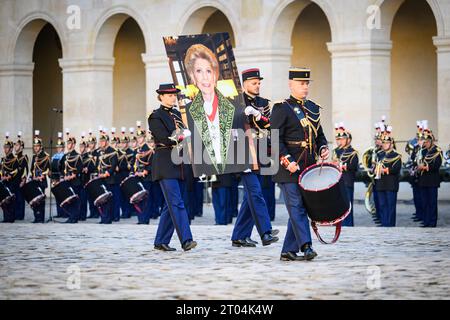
[40, 168]
[23, 173]
[296, 121]
[142, 169]
[347, 159]
[71, 169]
[88, 168]
[93, 155]
[125, 165]
[163, 122]
[387, 172]
[116, 186]
[10, 178]
[133, 147]
[107, 164]
[55, 166]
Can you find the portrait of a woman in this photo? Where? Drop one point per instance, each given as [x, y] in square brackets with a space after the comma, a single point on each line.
[211, 116]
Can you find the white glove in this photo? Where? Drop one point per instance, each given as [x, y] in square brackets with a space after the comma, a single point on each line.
[187, 133]
[252, 111]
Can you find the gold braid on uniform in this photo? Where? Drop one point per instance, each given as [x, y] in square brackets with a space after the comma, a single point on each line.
[40, 162]
[348, 156]
[69, 161]
[123, 156]
[391, 160]
[8, 166]
[102, 159]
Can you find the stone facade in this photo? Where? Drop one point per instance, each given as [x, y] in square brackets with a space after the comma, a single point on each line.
[367, 58]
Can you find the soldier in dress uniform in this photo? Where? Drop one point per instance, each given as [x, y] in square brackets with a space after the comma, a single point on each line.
[107, 166]
[347, 159]
[251, 80]
[55, 170]
[93, 156]
[368, 162]
[71, 170]
[387, 172]
[88, 167]
[429, 179]
[115, 140]
[168, 131]
[254, 208]
[296, 121]
[413, 148]
[23, 173]
[40, 168]
[10, 177]
[133, 147]
[142, 169]
[156, 197]
[125, 166]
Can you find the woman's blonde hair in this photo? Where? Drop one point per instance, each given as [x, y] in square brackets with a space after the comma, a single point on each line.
[199, 51]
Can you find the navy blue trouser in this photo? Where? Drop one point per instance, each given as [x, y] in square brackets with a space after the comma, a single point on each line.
[348, 221]
[116, 201]
[174, 215]
[20, 205]
[83, 203]
[156, 200]
[220, 201]
[269, 195]
[430, 205]
[388, 207]
[298, 233]
[253, 210]
[377, 204]
[198, 194]
[417, 198]
[146, 206]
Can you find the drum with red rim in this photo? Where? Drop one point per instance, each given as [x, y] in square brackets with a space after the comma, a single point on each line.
[97, 190]
[64, 193]
[32, 193]
[133, 189]
[324, 196]
[6, 196]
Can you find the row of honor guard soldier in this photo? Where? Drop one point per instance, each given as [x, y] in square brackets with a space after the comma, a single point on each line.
[347, 159]
[296, 120]
[15, 176]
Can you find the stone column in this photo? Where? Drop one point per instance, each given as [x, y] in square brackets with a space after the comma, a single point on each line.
[87, 94]
[16, 100]
[274, 64]
[361, 87]
[443, 93]
[157, 71]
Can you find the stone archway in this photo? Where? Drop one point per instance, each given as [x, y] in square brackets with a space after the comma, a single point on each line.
[413, 68]
[310, 35]
[37, 79]
[121, 42]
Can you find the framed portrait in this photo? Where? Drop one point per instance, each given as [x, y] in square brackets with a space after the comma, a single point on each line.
[203, 67]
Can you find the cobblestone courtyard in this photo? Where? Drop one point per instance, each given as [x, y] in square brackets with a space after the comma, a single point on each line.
[91, 261]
